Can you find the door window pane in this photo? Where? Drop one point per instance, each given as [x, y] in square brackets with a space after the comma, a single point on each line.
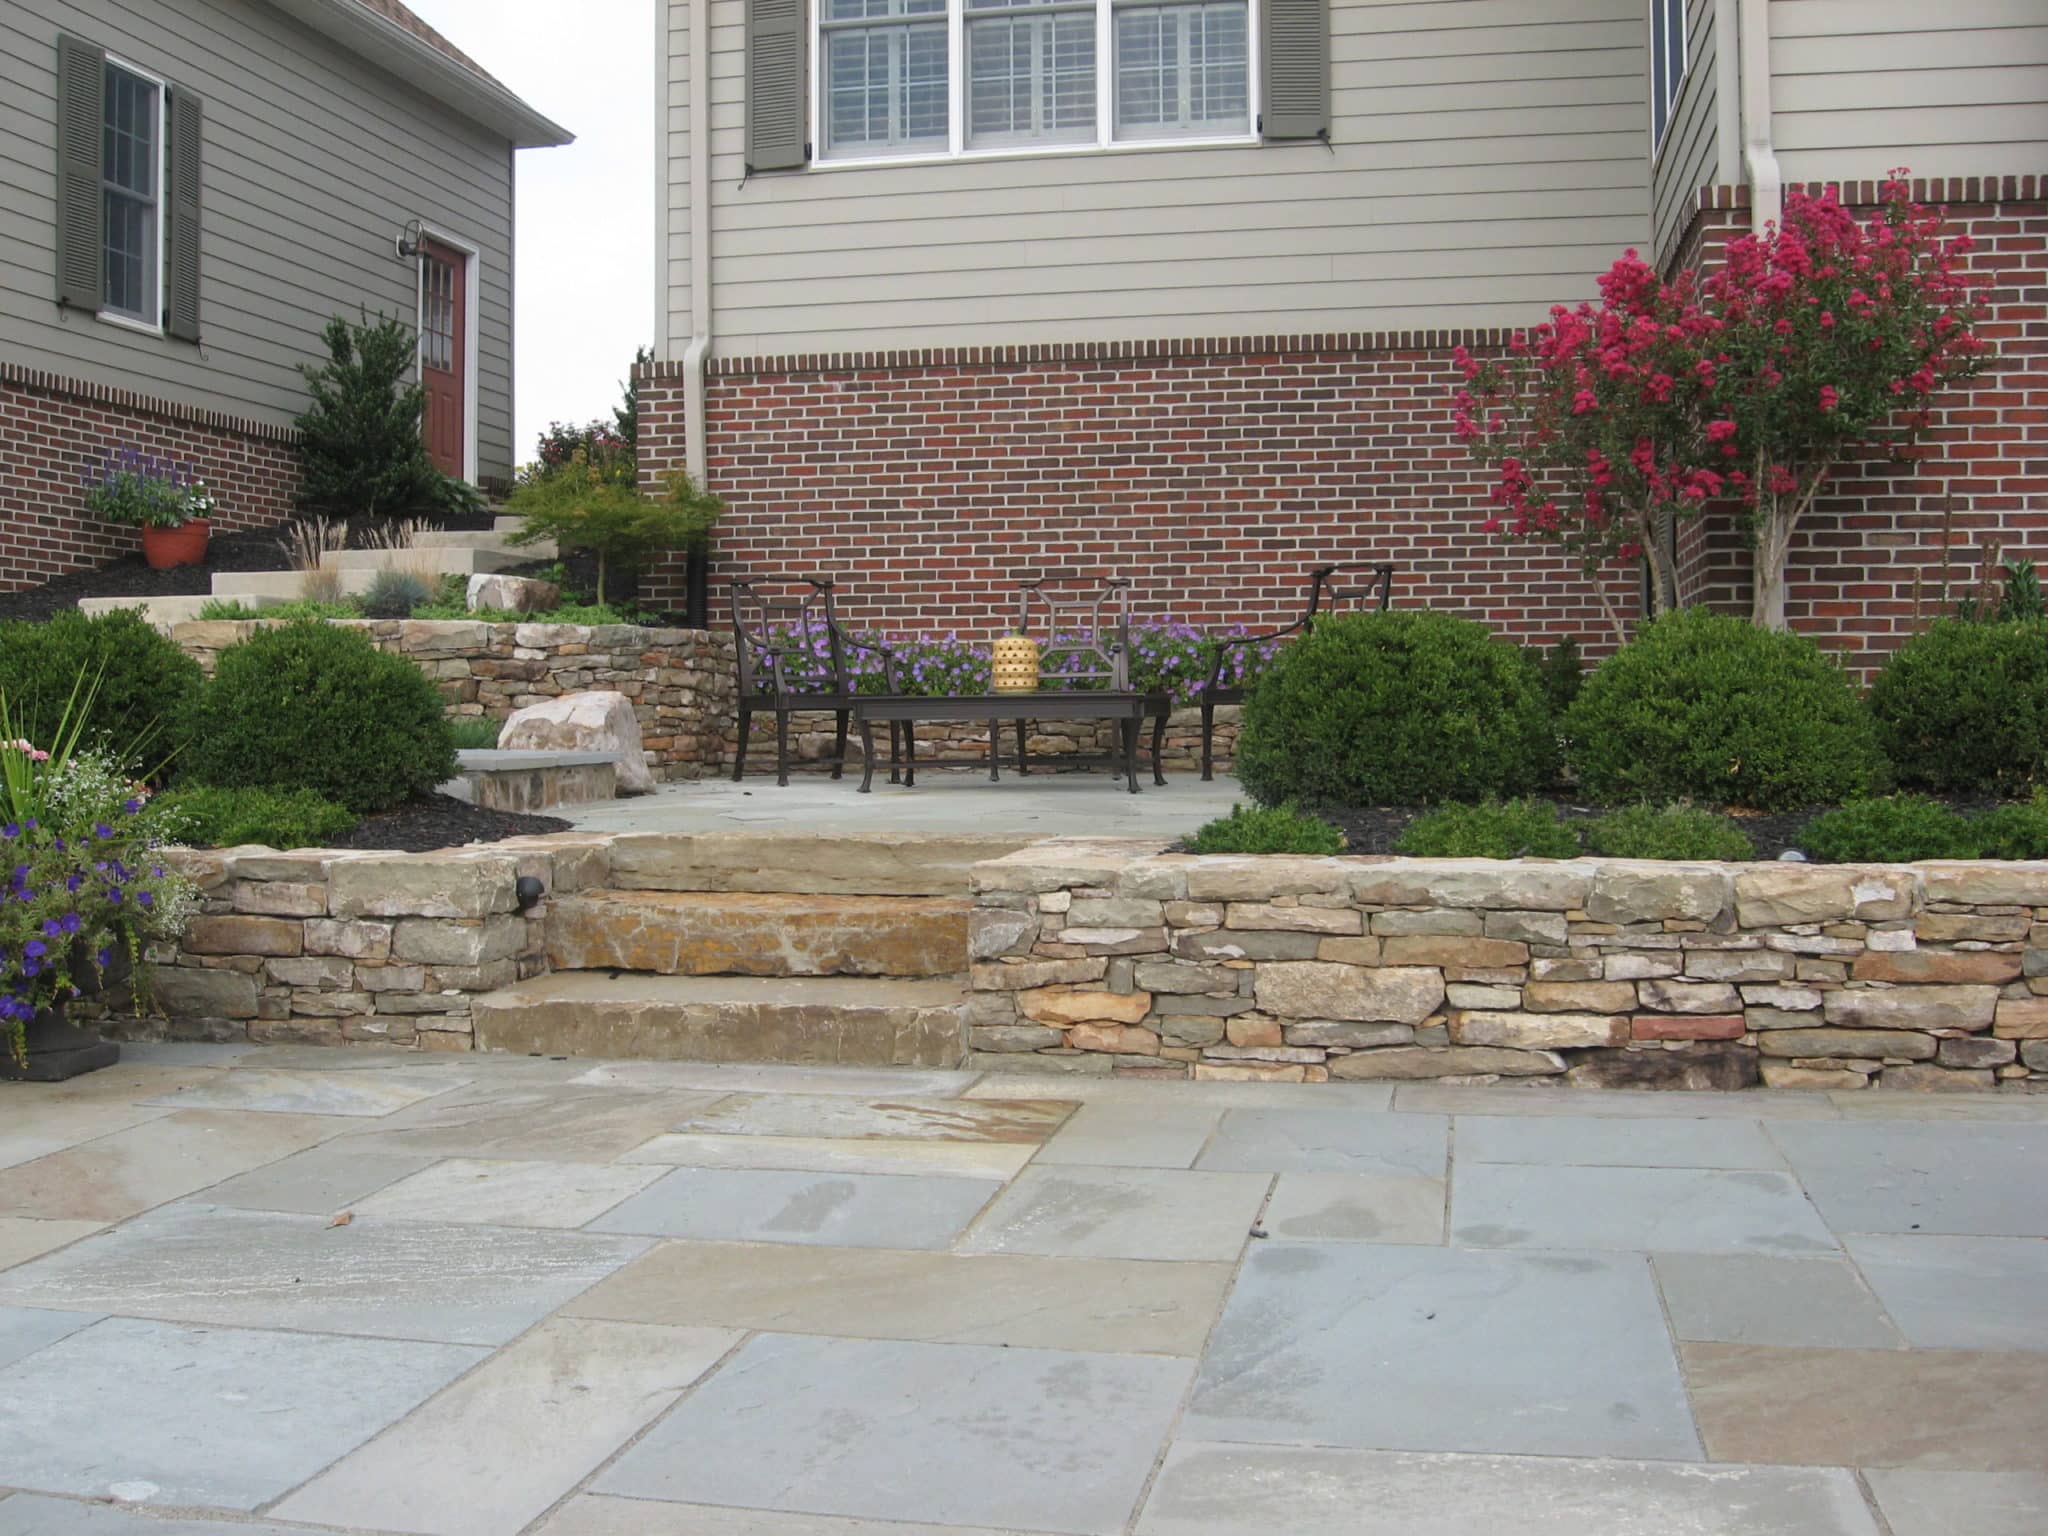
[1182, 70]
[1030, 74]
[131, 119]
[885, 76]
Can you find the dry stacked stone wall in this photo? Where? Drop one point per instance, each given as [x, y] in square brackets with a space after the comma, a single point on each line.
[680, 680]
[1104, 957]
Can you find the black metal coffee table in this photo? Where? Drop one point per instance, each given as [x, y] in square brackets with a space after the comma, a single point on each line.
[1130, 709]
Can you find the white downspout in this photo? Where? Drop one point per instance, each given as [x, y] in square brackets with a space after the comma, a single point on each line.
[1759, 157]
[699, 349]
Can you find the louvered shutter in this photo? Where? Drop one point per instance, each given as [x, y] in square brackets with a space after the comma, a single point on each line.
[1295, 73]
[81, 216]
[181, 298]
[776, 55]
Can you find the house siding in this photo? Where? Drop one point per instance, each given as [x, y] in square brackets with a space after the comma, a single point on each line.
[1689, 157]
[1487, 158]
[1950, 89]
[313, 162]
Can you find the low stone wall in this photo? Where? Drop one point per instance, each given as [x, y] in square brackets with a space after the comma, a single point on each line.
[961, 741]
[680, 680]
[320, 947]
[1100, 957]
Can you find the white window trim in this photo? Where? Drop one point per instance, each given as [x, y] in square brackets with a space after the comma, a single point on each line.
[957, 148]
[1659, 140]
[163, 165]
[472, 263]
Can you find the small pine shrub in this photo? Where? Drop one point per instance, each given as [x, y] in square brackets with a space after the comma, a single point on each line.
[1896, 830]
[144, 689]
[314, 706]
[475, 733]
[1402, 708]
[395, 594]
[204, 816]
[1674, 832]
[1964, 707]
[1516, 829]
[2014, 831]
[1274, 829]
[1704, 706]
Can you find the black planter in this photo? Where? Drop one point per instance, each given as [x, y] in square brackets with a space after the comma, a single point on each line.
[57, 1050]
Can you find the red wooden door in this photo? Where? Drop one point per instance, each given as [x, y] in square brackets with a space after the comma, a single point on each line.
[444, 352]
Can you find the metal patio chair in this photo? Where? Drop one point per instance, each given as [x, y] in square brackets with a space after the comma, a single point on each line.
[792, 656]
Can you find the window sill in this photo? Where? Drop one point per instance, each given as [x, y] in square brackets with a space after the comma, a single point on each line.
[1034, 152]
[127, 323]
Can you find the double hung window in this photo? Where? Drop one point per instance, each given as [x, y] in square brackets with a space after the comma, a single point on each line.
[131, 190]
[1667, 64]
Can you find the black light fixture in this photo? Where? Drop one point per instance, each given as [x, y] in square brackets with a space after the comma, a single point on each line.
[408, 241]
[527, 892]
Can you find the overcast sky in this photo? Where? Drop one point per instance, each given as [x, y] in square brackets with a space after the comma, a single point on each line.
[584, 288]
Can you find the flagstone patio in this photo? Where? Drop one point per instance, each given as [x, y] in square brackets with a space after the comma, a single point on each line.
[481, 1295]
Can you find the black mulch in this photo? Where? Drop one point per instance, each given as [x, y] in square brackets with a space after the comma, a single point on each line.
[437, 821]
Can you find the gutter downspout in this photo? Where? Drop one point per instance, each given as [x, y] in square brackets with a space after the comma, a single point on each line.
[1759, 156]
[699, 349]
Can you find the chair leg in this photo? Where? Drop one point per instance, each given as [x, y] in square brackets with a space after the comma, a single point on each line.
[1158, 743]
[839, 746]
[896, 732]
[1208, 741]
[782, 748]
[739, 758]
[1023, 763]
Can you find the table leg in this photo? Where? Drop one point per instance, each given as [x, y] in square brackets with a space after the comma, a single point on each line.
[1158, 740]
[895, 752]
[867, 755]
[995, 749]
[909, 756]
[1023, 764]
[1131, 752]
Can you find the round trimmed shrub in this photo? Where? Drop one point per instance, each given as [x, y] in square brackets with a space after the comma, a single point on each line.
[1673, 832]
[311, 706]
[1519, 829]
[1898, 829]
[1395, 709]
[1705, 706]
[1275, 829]
[143, 687]
[1964, 707]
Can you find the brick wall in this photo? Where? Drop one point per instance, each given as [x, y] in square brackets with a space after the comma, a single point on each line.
[51, 427]
[1873, 560]
[1215, 474]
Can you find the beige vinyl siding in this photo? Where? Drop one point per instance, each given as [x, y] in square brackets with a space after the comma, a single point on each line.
[313, 162]
[1689, 157]
[1944, 87]
[1489, 157]
[674, 268]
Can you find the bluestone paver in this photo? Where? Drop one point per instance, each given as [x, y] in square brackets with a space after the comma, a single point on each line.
[960, 1434]
[854, 1210]
[264, 1091]
[1755, 1298]
[24, 1330]
[1357, 1207]
[1123, 1135]
[593, 1514]
[1121, 1213]
[26, 1237]
[890, 1119]
[318, 1181]
[1679, 1210]
[771, 1077]
[1616, 1141]
[29, 1514]
[530, 1120]
[1960, 1292]
[943, 1159]
[1900, 1176]
[1922, 1503]
[131, 1170]
[509, 1194]
[1316, 1140]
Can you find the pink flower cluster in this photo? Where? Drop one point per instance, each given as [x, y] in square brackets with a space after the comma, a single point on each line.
[27, 749]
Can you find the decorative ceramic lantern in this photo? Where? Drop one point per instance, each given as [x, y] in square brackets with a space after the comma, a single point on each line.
[1014, 664]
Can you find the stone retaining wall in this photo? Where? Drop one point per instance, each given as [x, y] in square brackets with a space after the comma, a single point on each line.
[680, 680]
[1108, 956]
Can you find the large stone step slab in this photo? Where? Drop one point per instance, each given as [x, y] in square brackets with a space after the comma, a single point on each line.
[810, 864]
[163, 612]
[808, 1021]
[711, 933]
[495, 540]
[464, 559]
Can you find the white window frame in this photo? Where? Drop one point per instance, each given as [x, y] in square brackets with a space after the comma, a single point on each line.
[153, 327]
[1105, 140]
[1660, 136]
[472, 309]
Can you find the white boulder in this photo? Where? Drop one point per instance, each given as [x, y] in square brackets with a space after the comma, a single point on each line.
[520, 594]
[597, 721]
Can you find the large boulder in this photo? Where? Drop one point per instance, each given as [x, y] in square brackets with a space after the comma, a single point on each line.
[597, 721]
[519, 594]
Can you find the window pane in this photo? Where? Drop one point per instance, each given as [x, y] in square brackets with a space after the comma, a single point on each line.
[129, 122]
[885, 86]
[1031, 79]
[1182, 70]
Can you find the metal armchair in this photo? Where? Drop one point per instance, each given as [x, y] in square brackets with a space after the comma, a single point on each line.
[1086, 629]
[1326, 594]
[792, 655]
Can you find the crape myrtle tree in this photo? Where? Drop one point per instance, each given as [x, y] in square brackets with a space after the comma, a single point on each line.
[1820, 341]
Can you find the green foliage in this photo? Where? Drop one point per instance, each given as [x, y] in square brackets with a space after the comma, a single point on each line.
[588, 503]
[1272, 829]
[1401, 708]
[475, 733]
[138, 490]
[2014, 831]
[143, 688]
[1516, 829]
[297, 608]
[360, 447]
[1964, 707]
[626, 414]
[316, 706]
[1673, 832]
[2018, 596]
[1703, 706]
[206, 816]
[396, 594]
[1564, 674]
[1897, 829]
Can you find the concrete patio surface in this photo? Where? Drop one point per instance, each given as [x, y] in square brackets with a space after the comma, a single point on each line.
[245, 1291]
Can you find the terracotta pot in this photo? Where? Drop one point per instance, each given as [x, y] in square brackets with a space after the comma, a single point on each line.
[1013, 665]
[183, 545]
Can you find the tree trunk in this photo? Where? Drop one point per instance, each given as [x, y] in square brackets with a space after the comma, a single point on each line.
[1767, 585]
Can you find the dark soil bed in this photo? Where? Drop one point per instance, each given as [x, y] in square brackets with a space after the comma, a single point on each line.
[438, 821]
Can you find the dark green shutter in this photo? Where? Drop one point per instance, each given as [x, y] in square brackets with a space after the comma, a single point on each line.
[777, 116]
[81, 214]
[181, 282]
[1295, 73]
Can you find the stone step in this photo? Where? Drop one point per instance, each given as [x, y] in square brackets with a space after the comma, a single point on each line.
[709, 933]
[532, 781]
[281, 586]
[508, 522]
[806, 864]
[162, 612]
[464, 559]
[807, 1021]
[494, 541]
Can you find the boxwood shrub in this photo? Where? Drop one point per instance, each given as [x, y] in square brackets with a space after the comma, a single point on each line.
[1274, 829]
[1964, 707]
[1705, 706]
[1516, 829]
[1896, 829]
[313, 706]
[208, 817]
[1402, 708]
[1672, 832]
[145, 693]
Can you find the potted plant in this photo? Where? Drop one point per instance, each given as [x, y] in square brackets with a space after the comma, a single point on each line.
[81, 888]
[172, 508]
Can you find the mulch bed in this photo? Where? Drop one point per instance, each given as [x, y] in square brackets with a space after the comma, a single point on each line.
[438, 821]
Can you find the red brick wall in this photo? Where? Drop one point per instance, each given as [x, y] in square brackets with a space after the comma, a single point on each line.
[50, 428]
[1215, 474]
[1868, 562]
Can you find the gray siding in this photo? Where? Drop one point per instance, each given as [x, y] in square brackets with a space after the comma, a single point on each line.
[1945, 87]
[1689, 157]
[1490, 157]
[313, 161]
